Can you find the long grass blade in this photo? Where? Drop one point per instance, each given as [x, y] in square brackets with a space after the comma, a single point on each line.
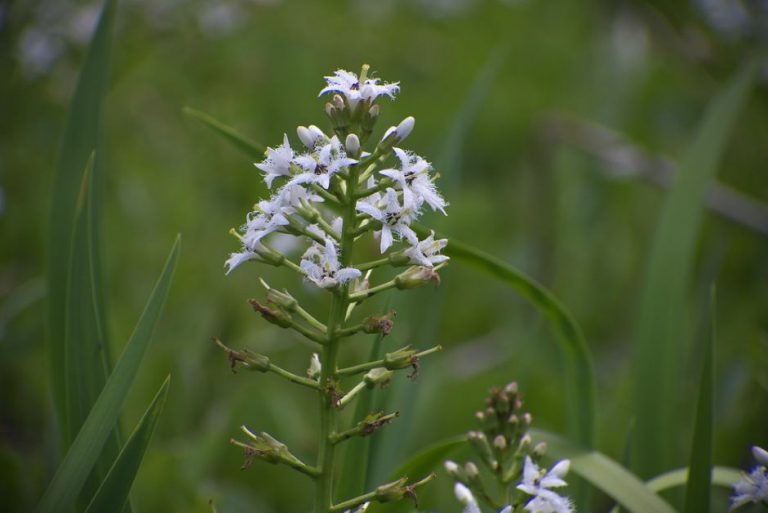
[112, 495]
[660, 329]
[604, 473]
[580, 377]
[253, 150]
[700, 476]
[80, 139]
[88, 443]
[724, 477]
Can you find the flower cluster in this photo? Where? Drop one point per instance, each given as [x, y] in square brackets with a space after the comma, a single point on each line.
[310, 182]
[753, 487]
[505, 448]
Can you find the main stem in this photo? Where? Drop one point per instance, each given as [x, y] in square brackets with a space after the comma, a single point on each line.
[329, 376]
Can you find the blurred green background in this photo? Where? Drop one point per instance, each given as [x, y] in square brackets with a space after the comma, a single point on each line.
[547, 119]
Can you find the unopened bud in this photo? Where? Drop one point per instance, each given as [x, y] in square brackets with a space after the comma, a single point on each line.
[527, 419]
[451, 468]
[330, 111]
[472, 471]
[405, 128]
[379, 323]
[511, 388]
[513, 421]
[377, 376]
[480, 416]
[353, 145]
[415, 277]
[525, 443]
[540, 449]
[306, 137]
[338, 102]
[500, 442]
[761, 455]
[276, 316]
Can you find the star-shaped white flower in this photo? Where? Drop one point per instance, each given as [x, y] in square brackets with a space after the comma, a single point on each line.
[347, 84]
[752, 487]
[413, 179]
[320, 166]
[278, 161]
[426, 252]
[268, 217]
[322, 267]
[537, 482]
[394, 218]
[464, 495]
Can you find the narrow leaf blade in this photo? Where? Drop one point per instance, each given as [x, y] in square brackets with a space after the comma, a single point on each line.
[102, 418]
[112, 495]
[579, 369]
[604, 473]
[80, 139]
[700, 477]
[253, 150]
[659, 333]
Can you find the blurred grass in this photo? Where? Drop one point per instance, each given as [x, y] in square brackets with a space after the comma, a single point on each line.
[581, 235]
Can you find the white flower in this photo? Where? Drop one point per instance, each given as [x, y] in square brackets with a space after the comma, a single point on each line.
[321, 266]
[235, 259]
[319, 167]
[426, 252]
[269, 217]
[464, 495]
[413, 179]
[537, 482]
[394, 218]
[278, 161]
[348, 84]
[753, 487]
[548, 501]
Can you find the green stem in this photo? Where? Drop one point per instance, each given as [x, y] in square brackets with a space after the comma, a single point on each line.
[363, 367]
[329, 376]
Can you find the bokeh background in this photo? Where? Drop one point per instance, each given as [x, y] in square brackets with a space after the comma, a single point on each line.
[551, 124]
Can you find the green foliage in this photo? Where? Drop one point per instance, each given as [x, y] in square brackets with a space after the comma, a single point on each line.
[661, 325]
[700, 475]
[88, 443]
[112, 495]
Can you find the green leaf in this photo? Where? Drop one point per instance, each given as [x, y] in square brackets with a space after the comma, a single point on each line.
[254, 150]
[604, 473]
[85, 449]
[700, 478]
[85, 361]
[660, 334]
[80, 139]
[112, 495]
[580, 379]
[721, 476]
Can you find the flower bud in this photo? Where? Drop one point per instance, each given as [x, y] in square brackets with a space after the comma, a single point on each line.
[353, 145]
[306, 137]
[330, 111]
[472, 471]
[415, 277]
[405, 128]
[500, 442]
[317, 134]
[539, 450]
[255, 361]
[451, 468]
[338, 102]
[377, 376]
